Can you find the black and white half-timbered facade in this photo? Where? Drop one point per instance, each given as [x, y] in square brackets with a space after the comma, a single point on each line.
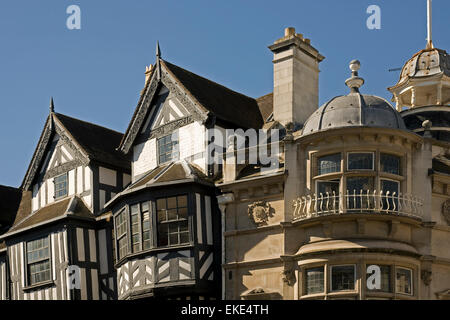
[167, 222]
[102, 215]
[58, 246]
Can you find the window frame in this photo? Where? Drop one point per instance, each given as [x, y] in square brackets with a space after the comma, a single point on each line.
[375, 292]
[55, 196]
[117, 238]
[412, 281]
[168, 222]
[305, 281]
[172, 158]
[317, 160]
[354, 278]
[400, 163]
[373, 153]
[27, 274]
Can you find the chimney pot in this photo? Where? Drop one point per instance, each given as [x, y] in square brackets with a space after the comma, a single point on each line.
[289, 32]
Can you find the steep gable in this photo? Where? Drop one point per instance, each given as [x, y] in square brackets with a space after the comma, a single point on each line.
[192, 98]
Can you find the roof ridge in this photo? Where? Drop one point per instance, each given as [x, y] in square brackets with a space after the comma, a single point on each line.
[212, 81]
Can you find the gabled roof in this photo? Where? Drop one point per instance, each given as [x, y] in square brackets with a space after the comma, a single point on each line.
[224, 103]
[211, 98]
[97, 143]
[68, 207]
[265, 104]
[163, 175]
[9, 204]
[100, 143]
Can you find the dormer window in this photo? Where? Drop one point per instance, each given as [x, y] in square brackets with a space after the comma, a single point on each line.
[168, 148]
[60, 186]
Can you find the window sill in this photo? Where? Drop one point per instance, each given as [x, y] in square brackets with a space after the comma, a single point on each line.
[153, 251]
[39, 285]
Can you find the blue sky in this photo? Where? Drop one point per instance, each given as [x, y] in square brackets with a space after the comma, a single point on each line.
[96, 73]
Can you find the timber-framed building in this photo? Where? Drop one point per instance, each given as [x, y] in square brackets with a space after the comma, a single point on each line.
[356, 206]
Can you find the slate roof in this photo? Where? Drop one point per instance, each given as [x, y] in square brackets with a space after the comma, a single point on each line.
[99, 142]
[265, 104]
[9, 204]
[72, 206]
[174, 172]
[224, 103]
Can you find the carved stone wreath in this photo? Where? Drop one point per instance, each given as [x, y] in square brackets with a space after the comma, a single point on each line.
[260, 212]
[446, 211]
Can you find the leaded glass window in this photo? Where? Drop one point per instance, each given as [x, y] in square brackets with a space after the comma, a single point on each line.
[121, 232]
[172, 215]
[389, 163]
[314, 280]
[135, 232]
[403, 281]
[38, 261]
[146, 242]
[357, 188]
[329, 164]
[384, 284]
[60, 183]
[342, 278]
[360, 161]
[168, 148]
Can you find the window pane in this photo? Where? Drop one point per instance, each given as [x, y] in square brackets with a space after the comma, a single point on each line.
[168, 148]
[360, 161]
[172, 222]
[403, 281]
[390, 163]
[329, 164]
[314, 280]
[60, 186]
[38, 263]
[383, 283]
[356, 186]
[342, 278]
[182, 201]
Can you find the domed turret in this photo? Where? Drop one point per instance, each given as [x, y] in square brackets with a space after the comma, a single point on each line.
[354, 110]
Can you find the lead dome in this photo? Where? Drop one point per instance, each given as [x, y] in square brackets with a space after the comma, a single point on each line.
[354, 110]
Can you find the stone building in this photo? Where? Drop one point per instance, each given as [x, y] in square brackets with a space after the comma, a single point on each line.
[354, 202]
[359, 207]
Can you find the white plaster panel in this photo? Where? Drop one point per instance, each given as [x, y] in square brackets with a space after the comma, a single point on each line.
[35, 203]
[71, 182]
[108, 176]
[51, 190]
[87, 178]
[80, 180]
[144, 157]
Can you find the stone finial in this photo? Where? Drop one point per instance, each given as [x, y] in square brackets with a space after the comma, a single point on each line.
[52, 105]
[426, 125]
[158, 50]
[355, 82]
